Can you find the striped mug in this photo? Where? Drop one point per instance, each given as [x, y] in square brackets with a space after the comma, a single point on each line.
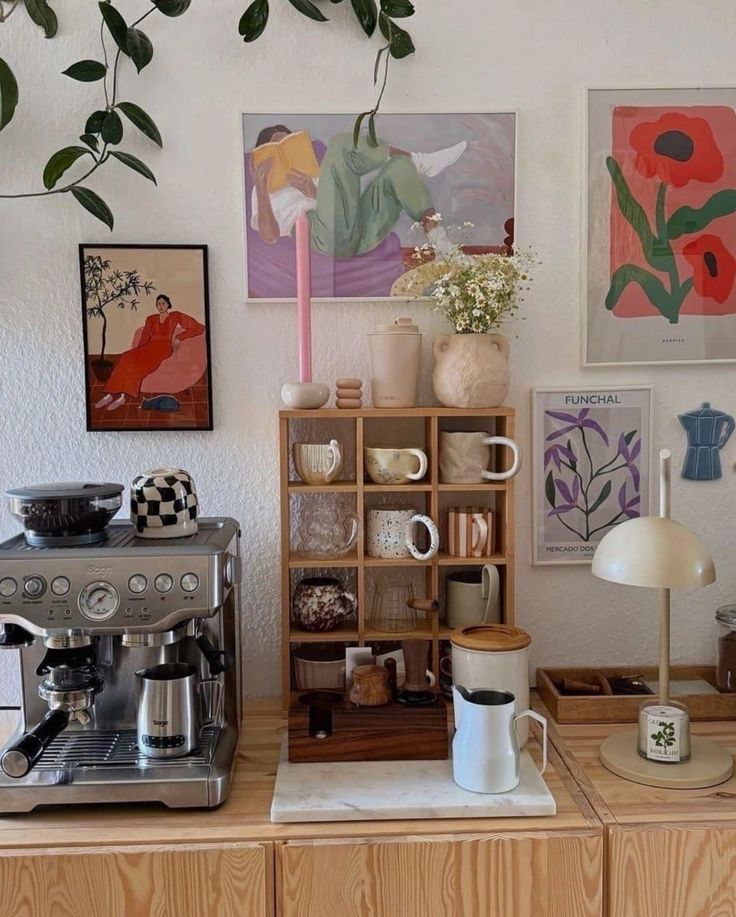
[469, 531]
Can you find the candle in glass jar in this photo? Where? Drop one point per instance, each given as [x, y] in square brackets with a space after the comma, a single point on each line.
[303, 297]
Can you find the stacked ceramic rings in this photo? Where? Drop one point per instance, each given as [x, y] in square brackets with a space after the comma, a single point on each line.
[349, 393]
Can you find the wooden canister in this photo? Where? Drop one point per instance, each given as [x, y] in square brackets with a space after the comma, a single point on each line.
[370, 686]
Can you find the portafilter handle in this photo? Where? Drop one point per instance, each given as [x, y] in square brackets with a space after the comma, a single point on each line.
[21, 757]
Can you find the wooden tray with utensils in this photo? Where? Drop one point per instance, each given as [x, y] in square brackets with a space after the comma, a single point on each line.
[604, 706]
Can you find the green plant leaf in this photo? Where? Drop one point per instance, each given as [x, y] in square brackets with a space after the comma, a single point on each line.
[366, 12]
[94, 204]
[254, 20]
[86, 71]
[372, 137]
[112, 128]
[172, 7]
[601, 498]
[132, 162]
[94, 122]
[400, 43]
[358, 123]
[652, 286]
[8, 94]
[42, 14]
[572, 462]
[139, 48]
[141, 120]
[397, 9]
[686, 220]
[116, 24]
[629, 436]
[307, 8]
[549, 489]
[60, 162]
[91, 141]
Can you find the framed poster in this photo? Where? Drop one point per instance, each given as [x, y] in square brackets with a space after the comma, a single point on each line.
[660, 226]
[363, 201]
[590, 465]
[145, 315]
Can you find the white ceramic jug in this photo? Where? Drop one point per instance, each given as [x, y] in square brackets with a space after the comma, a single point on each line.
[485, 750]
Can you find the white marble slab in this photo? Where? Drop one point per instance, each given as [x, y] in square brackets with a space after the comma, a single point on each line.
[376, 790]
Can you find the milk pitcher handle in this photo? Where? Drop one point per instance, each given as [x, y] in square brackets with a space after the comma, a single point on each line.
[336, 461]
[540, 719]
[216, 711]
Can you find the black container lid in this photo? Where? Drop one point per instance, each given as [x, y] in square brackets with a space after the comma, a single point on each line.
[65, 490]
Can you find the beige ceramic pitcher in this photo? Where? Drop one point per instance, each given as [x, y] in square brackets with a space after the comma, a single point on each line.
[471, 370]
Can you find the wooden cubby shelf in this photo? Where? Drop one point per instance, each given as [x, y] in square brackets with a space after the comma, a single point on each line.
[418, 427]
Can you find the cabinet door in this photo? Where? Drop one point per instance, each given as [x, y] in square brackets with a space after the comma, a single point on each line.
[672, 871]
[519, 875]
[186, 881]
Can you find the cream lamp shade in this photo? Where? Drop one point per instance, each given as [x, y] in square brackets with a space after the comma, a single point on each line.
[653, 551]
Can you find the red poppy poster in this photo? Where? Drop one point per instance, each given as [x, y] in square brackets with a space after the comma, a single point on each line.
[661, 226]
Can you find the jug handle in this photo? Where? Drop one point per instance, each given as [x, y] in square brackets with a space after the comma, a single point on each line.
[501, 343]
[540, 719]
[440, 345]
[728, 429]
[355, 524]
[490, 585]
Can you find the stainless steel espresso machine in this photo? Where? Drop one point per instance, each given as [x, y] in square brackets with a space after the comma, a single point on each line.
[84, 623]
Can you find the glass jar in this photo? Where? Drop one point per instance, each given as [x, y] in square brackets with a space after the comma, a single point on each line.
[726, 661]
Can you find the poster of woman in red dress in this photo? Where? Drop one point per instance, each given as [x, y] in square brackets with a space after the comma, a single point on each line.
[146, 336]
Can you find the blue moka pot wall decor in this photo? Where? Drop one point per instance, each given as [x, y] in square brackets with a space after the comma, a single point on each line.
[708, 431]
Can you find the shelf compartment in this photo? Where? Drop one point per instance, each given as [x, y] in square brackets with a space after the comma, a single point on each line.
[339, 635]
[491, 487]
[298, 559]
[449, 560]
[396, 488]
[435, 411]
[423, 632]
[369, 561]
[338, 487]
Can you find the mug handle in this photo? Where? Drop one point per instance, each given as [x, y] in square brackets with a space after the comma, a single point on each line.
[349, 603]
[540, 719]
[431, 678]
[434, 536]
[334, 448]
[515, 465]
[489, 590]
[481, 526]
[423, 465]
[355, 524]
[213, 682]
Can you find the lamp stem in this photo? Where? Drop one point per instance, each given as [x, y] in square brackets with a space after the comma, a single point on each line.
[664, 645]
[665, 481]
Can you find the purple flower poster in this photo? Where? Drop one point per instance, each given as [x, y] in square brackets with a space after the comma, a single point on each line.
[591, 463]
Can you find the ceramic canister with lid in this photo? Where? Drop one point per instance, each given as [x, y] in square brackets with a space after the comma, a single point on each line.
[394, 352]
[494, 656]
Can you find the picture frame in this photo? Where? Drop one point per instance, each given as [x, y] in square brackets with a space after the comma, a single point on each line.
[269, 269]
[646, 294]
[582, 482]
[146, 337]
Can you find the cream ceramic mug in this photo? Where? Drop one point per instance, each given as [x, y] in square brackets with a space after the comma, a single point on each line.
[464, 457]
[390, 534]
[395, 466]
[317, 463]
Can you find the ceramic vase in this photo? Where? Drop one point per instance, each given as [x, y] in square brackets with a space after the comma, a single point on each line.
[471, 370]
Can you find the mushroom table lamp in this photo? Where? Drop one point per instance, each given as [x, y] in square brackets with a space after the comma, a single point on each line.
[657, 552]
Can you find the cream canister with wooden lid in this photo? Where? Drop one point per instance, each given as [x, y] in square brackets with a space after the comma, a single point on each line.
[493, 656]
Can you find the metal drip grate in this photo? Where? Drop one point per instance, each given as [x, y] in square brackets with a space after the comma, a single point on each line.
[115, 749]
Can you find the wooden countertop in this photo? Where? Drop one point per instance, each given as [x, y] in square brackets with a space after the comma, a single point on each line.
[246, 814]
[619, 801]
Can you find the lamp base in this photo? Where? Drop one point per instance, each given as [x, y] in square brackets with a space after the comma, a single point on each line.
[709, 764]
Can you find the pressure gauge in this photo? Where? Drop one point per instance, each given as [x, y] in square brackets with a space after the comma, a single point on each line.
[98, 601]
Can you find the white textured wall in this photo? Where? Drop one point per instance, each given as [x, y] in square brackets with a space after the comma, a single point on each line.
[534, 55]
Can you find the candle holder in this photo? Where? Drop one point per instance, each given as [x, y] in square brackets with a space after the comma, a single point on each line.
[305, 396]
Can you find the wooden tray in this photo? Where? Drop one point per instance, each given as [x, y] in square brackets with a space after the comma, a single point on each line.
[624, 708]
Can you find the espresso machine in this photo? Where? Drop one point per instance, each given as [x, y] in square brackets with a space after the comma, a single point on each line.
[90, 621]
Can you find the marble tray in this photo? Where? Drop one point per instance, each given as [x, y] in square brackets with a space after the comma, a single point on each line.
[375, 790]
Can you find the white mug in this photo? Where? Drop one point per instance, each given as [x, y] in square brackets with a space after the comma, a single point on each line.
[390, 534]
[473, 597]
[485, 750]
[317, 463]
[394, 466]
[464, 457]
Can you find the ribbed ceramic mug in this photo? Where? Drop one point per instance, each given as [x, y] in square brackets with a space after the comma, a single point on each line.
[390, 534]
[317, 463]
[469, 531]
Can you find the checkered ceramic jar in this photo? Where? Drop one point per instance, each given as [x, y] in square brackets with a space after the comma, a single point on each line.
[163, 504]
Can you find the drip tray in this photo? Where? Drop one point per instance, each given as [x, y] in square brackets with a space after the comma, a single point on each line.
[116, 748]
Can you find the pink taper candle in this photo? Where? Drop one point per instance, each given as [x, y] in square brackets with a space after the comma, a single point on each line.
[303, 297]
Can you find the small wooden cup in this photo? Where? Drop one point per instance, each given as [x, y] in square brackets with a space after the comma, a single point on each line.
[370, 686]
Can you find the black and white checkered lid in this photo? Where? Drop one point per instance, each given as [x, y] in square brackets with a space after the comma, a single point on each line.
[161, 498]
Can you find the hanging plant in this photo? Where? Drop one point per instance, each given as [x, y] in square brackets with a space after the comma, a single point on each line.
[369, 15]
[104, 128]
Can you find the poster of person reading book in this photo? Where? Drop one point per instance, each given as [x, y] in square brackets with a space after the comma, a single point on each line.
[361, 200]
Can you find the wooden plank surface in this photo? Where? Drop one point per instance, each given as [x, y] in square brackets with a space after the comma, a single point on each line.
[524, 875]
[171, 882]
[246, 814]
